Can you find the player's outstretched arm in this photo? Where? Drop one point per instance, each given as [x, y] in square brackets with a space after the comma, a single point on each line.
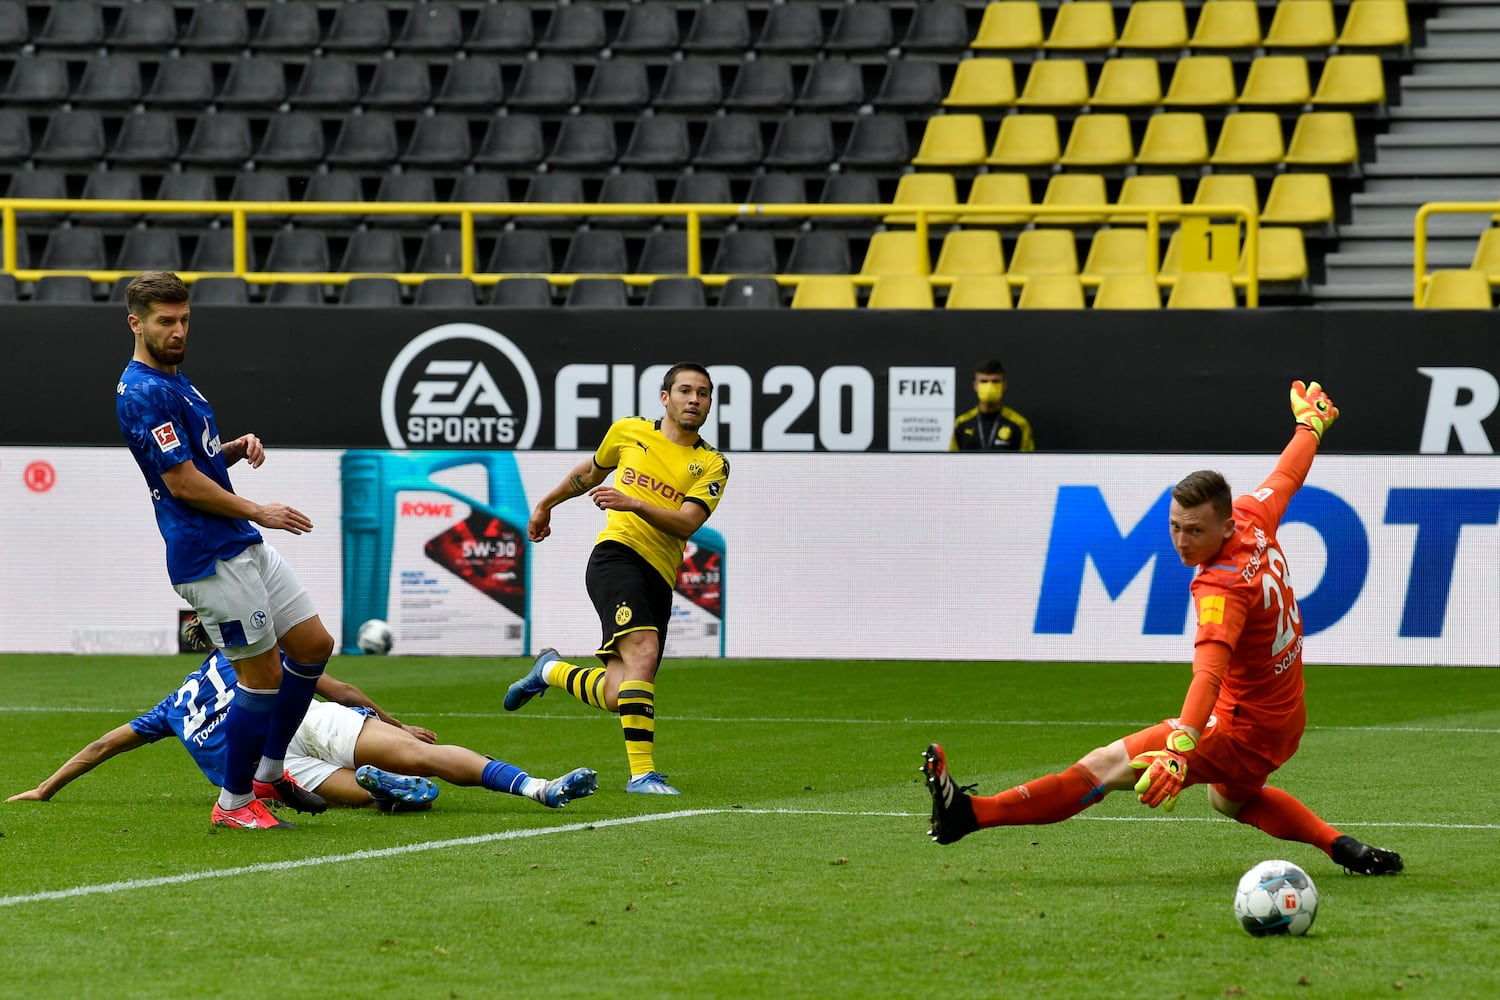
[1312, 408]
[111, 744]
[188, 484]
[583, 477]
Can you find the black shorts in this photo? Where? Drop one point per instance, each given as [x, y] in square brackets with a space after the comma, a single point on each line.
[629, 595]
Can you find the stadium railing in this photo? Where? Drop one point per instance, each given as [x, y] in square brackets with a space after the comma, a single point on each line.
[1420, 275]
[1245, 276]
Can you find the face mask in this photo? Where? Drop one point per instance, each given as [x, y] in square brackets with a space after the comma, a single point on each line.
[990, 392]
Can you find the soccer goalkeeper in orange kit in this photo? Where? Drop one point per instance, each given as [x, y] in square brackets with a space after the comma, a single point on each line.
[1244, 711]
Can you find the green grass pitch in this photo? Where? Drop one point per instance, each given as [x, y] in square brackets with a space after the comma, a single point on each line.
[794, 865]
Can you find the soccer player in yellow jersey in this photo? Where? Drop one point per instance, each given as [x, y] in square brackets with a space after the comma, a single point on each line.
[667, 481]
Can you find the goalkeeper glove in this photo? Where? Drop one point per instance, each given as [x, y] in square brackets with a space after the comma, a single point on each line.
[1312, 408]
[195, 635]
[1165, 771]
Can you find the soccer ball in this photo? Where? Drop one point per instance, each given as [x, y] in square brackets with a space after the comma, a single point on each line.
[1275, 897]
[374, 637]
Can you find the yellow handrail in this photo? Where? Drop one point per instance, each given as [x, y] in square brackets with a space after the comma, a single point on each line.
[239, 212]
[1419, 236]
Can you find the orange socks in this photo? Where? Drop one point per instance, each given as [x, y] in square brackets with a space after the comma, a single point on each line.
[1046, 800]
[1285, 818]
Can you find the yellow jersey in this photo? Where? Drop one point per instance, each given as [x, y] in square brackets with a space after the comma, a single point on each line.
[652, 468]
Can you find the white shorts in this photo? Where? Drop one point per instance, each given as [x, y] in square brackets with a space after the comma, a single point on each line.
[323, 743]
[249, 601]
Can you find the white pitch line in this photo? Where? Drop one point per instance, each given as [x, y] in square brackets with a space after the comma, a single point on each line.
[126, 885]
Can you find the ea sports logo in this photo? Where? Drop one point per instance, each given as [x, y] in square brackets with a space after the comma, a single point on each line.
[460, 385]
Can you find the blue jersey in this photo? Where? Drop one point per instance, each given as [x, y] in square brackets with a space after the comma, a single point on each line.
[166, 421]
[195, 714]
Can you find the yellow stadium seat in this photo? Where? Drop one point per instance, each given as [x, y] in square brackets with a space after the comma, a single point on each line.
[825, 291]
[979, 291]
[1487, 254]
[1282, 255]
[1351, 79]
[1202, 290]
[1127, 291]
[1056, 83]
[1227, 24]
[1228, 189]
[997, 189]
[1129, 82]
[1174, 138]
[1025, 140]
[1074, 189]
[1201, 81]
[1099, 141]
[1051, 291]
[900, 291]
[1083, 24]
[895, 252]
[1010, 25]
[1044, 251]
[1375, 24]
[1277, 80]
[1302, 24]
[970, 251]
[1148, 189]
[951, 141]
[1248, 138]
[1299, 200]
[1453, 289]
[1155, 24]
[1118, 251]
[1171, 258]
[1323, 138]
[924, 189]
[983, 83]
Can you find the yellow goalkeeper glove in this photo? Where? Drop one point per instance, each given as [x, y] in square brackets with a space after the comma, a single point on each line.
[1312, 408]
[1165, 771]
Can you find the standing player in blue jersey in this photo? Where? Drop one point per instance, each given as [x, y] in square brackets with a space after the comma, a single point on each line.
[348, 749]
[253, 605]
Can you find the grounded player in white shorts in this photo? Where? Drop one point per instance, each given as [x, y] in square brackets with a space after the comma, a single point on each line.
[348, 749]
[251, 602]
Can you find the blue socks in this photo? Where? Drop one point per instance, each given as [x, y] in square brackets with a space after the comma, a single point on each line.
[244, 736]
[502, 777]
[298, 682]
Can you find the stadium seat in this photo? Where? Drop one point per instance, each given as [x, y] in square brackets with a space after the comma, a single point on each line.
[514, 142]
[482, 188]
[9, 290]
[522, 251]
[15, 136]
[979, 291]
[743, 252]
[718, 27]
[1118, 250]
[1057, 83]
[1147, 189]
[1202, 290]
[776, 189]
[1487, 254]
[545, 84]
[1099, 140]
[374, 251]
[1324, 139]
[441, 252]
[558, 188]
[982, 83]
[41, 79]
[111, 185]
[596, 251]
[864, 27]
[617, 85]
[1379, 24]
[401, 82]
[1174, 138]
[627, 188]
[291, 27]
[924, 189]
[909, 85]
[260, 82]
[411, 187]
[501, 27]
[109, 80]
[896, 252]
[970, 251]
[1051, 291]
[1455, 289]
[15, 32]
[1155, 25]
[430, 28]
[701, 189]
[384, 292]
[146, 24]
[75, 25]
[820, 252]
[952, 140]
[1082, 25]
[219, 140]
[584, 142]
[598, 293]
[1201, 82]
[691, 85]
[220, 291]
[825, 292]
[1302, 24]
[877, 140]
[665, 252]
[221, 26]
[762, 85]
[1227, 24]
[60, 290]
[73, 137]
[1228, 189]
[299, 250]
[335, 186]
[802, 142]
[1010, 25]
[648, 27]
[997, 189]
[38, 183]
[1299, 200]
[365, 141]
[573, 28]
[936, 27]
[256, 186]
[1248, 138]
[850, 189]
[294, 293]
[80, 248]
[1026, 140]
[1282, 255]
[1277, 81]
[292, 139]
[214, 251]
[330, 82]
[190, 84]
[750, 293]
[472, 83]
[446, 292]
[1044, 251]
[831, 84]
[523, 293]
[1128, 82]
[791, 28]
[1357, 80]
[900, 291]
[731, 141]
[676, 293]
[358, 28]
[1127, 290]
[1074, 189]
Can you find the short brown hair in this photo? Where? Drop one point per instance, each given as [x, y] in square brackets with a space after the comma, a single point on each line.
[678, 369]
[149, 289]
[1205, 486]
